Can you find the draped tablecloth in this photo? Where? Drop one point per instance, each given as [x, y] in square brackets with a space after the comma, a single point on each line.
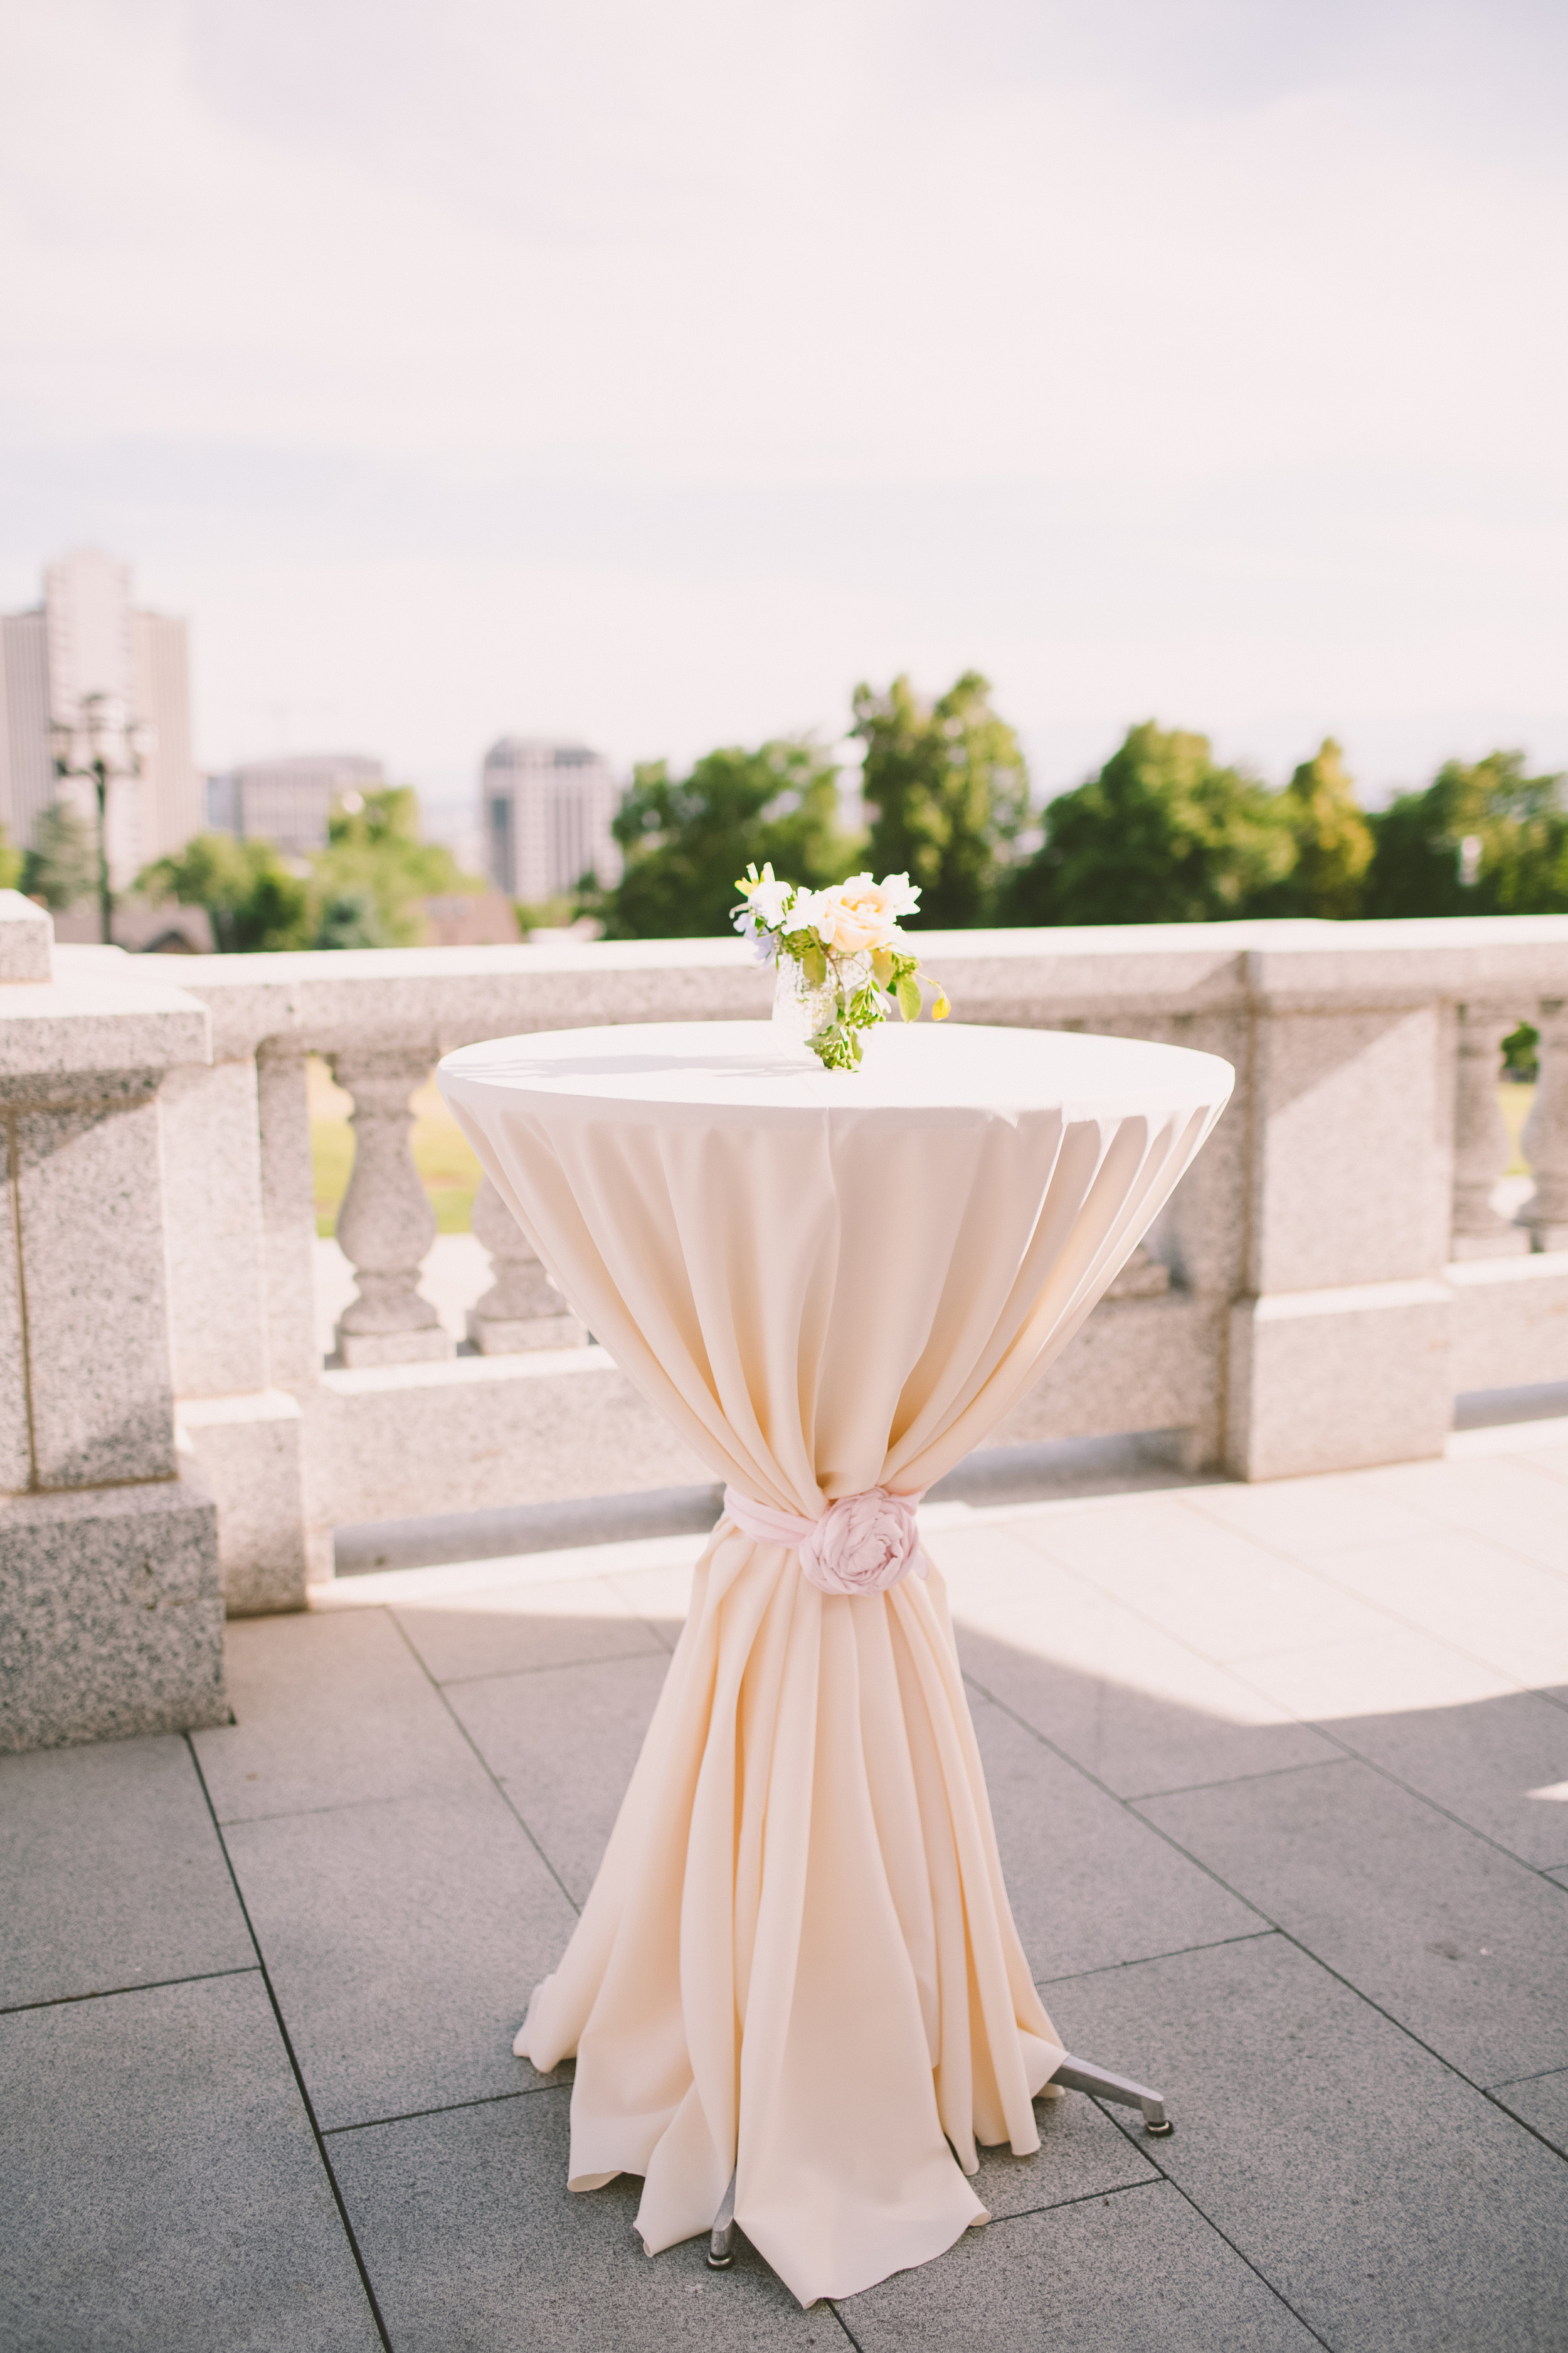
[797, 1962]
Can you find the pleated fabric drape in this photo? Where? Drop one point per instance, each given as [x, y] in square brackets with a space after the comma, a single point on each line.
[799, 1960]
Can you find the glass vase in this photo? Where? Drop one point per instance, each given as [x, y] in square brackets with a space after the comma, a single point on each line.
[802, 1007]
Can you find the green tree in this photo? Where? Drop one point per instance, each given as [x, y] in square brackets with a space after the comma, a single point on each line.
[685, 838]
[1334, 839]
[1161, 835]
[950, 790]
[375, 870]
[254, 900]
[61, 868]
[11, 862]
[1516, 830]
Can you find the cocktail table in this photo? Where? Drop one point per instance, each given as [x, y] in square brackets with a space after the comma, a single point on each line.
[796, 1994]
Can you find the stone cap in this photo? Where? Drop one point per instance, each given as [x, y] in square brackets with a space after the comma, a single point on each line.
[101, 1011]
[26, 939]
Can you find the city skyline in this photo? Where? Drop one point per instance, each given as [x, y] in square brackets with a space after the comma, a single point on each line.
[652, 384]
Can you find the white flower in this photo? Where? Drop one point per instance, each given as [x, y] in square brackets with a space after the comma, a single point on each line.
[813, 911]
[769, 899]
[901, 896]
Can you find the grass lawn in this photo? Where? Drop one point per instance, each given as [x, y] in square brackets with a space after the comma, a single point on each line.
[447, 1168]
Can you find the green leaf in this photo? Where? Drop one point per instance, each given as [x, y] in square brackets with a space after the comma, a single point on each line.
[908, 996]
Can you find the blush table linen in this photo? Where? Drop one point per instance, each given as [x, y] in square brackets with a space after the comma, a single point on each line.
[797, 1963]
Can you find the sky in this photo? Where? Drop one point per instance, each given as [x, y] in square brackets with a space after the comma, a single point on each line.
[652, 375]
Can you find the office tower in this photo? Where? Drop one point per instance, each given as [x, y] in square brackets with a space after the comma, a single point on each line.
[88, 651]
[289, 800]
[547, 812]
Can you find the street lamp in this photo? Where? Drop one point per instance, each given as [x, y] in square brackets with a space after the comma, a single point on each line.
[103, 747]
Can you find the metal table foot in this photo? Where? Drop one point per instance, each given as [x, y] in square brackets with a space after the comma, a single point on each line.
[722, 2245]
[1077, 2075]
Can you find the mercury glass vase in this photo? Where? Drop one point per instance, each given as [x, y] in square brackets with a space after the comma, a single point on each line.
[802, 1008]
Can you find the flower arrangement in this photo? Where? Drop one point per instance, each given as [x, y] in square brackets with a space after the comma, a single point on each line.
[840, 957]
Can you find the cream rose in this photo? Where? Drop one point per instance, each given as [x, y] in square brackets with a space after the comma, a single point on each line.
[865, 915]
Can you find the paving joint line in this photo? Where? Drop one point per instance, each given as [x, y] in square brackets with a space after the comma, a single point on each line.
[485, 1764]
[112, 1993]
[1359, 1756]
[1224, 2236]
[1214, 1945]
[1228, 1780]
[288, 2041]
[447, 2108]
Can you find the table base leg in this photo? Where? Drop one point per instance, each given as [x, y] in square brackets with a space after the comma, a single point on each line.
[1073, 2075]
[721, 2244]
[1077, 2075]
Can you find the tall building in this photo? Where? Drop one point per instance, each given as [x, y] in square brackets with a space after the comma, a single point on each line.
[289, 800]
[547, 812]
[87, 648]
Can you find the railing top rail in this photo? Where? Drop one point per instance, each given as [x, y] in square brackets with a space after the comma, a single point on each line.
[430, 1000]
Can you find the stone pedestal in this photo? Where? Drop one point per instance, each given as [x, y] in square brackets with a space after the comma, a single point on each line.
[110, 1598]
[1338, 1380]
[111, 1615]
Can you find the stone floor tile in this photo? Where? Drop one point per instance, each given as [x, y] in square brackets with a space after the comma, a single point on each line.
[1293, 1515]
[1508, 1613]
[111, 1873]
[1138, 2272]
[660, 1598]
[1090, 1884]
[563, 1746]
[332, 1708]
[1462, 1945]
[161, 2190]
[1397, 2209]
[1211, 1587]
[510, 1630]
[1389, 1673]
[1082, 2155]
[402, 1940]
[1513, 1499]
[1542, 2102]
[1559, 1876]
[475, 2245]
[1133, 1704]
[1480, 1763]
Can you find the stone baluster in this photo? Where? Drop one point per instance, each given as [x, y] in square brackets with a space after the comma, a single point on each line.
[386, 1225]
[1481, 1142]
[1545, 1213]
[523, 1308]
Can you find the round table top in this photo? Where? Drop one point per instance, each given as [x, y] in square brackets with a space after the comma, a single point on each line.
[734, 1072]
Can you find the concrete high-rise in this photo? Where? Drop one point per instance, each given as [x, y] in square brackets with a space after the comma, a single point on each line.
[289, 800]
[87, 650]
[547, 813]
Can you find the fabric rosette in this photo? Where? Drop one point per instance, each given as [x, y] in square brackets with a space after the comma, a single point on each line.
[862, 1543]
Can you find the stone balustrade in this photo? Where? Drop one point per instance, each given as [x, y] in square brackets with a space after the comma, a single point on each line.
[1330, 1273]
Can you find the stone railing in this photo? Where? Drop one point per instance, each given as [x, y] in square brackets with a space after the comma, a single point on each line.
[1327, 1277]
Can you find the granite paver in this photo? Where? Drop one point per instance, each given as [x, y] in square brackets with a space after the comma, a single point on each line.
[1462, 1945]
[1393, 2207]
[1203, 1712]
[161, 2186]
[118, 1877]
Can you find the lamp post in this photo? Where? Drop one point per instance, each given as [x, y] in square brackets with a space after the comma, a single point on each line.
[103, 747]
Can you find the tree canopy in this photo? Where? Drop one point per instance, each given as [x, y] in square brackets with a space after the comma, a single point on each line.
[685, 838]
[362, 891]
[949, 790]
[1517, 826]
[1163, 834]
[10, 862]
[61, 868]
